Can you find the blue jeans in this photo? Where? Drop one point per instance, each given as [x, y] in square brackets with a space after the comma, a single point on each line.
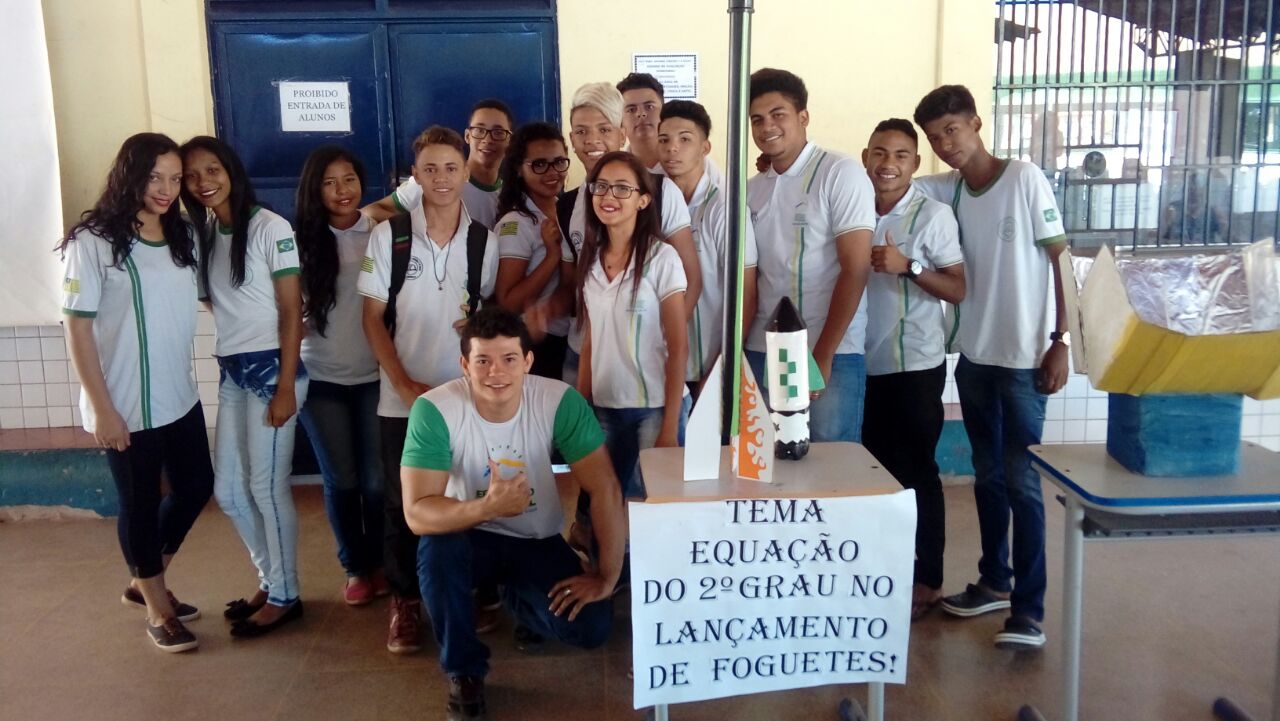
[1003, 414]
[837, 414]
[342, 423]
[451, 564]
[627, 431]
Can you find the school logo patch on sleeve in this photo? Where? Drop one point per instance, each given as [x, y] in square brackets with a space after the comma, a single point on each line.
[511, 227]
[1050, 215]
[366, 265]
[70, 285]
[284, 246]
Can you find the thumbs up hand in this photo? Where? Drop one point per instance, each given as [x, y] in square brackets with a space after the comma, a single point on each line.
[507, 497]
[887, 258]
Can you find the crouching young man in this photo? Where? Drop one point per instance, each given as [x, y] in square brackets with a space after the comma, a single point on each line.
[479, 489]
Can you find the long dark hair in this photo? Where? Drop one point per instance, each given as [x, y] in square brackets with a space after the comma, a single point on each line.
[596, 237]
[242, 201]
[512, 195]
[317, 246]
[115, 216]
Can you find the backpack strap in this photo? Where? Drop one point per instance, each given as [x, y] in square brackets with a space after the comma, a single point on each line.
[564, 214]
[477, 240]
[657, 190]
[401, 252]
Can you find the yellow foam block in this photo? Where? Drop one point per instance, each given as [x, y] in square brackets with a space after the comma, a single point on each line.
[1155, 360]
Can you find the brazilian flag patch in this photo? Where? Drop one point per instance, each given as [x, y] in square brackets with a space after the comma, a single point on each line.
[1050, 215]
[366, 265]
[70, 285]
[511, 227]
[284, 246]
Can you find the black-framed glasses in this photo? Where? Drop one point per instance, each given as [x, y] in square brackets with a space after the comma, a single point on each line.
[619, 190]
[479, 132]
[540, 165]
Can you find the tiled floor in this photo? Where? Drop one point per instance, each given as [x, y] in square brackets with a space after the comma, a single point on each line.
[1169, 625]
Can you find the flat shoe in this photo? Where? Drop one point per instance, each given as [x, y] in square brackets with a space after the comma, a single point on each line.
[248, 629]
[240, 609]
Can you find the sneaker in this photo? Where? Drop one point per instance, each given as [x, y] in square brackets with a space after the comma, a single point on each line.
[405, 632]
[380, 585]
[358, 591]
[529, 641]
[172, 637]
[975, 601]
[487, 618]
[1020, 633]
[184, 611]
[466, 698]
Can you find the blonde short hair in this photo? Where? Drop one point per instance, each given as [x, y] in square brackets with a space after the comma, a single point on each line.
[601, 96]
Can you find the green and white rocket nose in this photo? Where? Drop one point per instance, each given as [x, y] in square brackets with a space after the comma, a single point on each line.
[786, 341]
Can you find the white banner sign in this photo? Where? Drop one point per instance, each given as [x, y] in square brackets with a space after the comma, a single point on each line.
[743, 596]
[678, 72]
[315, 107]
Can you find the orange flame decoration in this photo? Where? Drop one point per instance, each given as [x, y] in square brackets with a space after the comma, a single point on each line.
[751, 459]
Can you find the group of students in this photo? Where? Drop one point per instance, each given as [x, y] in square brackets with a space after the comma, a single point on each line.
[585, 320]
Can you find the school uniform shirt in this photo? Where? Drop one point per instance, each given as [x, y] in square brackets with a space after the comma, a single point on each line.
[710, 226]
[520, 237]
[797, 216]
[1005, 317]
[480, 200]
[628, 350]
[144, 321]
[904, 322]
[342, 355]
[447, 433]
[246, 317]
[675, 218]
[432, 299]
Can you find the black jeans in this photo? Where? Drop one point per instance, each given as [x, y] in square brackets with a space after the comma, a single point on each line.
[151, 526]
[901, 428]
[400, 546]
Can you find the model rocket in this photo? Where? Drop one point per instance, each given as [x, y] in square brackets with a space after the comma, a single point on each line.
[786, 341]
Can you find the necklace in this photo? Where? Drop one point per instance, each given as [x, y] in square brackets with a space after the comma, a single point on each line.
[439, 278]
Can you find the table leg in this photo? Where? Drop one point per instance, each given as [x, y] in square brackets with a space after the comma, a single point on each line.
[660, 713]
[1072, 596]
[875, 702]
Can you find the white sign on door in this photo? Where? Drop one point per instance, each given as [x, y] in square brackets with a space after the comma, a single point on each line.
[678, 72]
[742, 596]
[315, 107]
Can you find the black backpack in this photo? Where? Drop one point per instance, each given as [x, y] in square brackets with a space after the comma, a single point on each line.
[401, 251]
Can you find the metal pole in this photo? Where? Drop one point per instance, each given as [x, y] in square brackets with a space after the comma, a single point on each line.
[736, 180]
[1072, 596]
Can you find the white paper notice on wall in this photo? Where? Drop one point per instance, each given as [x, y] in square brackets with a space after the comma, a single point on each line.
[315, 107]
[678, 72]
[743, 596]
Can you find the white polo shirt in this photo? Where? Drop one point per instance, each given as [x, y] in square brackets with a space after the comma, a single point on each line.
[675, 218]
[447, 433]
[797, 217]
[431, 300]
[481, 200]
[520, 238]
[246, 317]
[710, 215]
[1006, 316]
[628, 350]
[342, 355]
[144, 321]
[904, 322]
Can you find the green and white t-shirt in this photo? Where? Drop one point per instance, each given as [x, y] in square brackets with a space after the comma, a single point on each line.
[628, 350]
[342, 355]
[1005, 319]
[446, 433]
[904, 322]
[520, 237]
[144, 321]
[798, 215]
[710, 228]
[246, 317]
[432, 299]
[481, 200]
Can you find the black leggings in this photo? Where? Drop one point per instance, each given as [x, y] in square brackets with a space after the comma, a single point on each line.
[151, 527]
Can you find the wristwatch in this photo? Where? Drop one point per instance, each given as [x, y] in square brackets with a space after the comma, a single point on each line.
[914, 269]
[1063, 337]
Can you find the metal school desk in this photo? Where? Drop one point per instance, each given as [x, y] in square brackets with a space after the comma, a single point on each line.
[1105, 501]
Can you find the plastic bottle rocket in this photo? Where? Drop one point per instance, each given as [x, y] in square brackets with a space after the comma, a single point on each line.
[786, 341]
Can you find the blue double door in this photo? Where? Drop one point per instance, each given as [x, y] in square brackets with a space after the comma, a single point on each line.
[401, 76]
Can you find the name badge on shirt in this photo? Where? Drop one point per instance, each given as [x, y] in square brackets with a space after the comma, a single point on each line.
[800, 217]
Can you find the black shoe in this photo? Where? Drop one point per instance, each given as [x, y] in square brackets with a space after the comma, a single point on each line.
[248, 629]
[172, 637]
[466, 698]
[240, 609]
[184, 611]
[527, 641]
[1020, 634]
[975, 601]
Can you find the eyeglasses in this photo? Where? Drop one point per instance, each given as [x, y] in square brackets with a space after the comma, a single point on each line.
[540, 165]
[479, 132]
[620, 191]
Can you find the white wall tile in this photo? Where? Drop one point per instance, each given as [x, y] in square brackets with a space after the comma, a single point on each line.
[33, 395]
[28, 349]
[8, 349]
[76, 420]
[1095, 431]
[1098, 408]
[55, 371]
[204, 346]
[53, 348]
[1052, 432]
[206, 370]
[51, 331]
[74, 389]
[27, 331]
[1073, 431]
[1250, 426]
[57, 394]
[59, 417]
[1271, 424]
[9, 372]
[1271, 443]
[6, 331]
[1055, 409]
[35, 418]
[11, 418]
[1251, 406]
[10, 396]
[208, 393]
[30, 372]
[1075, 409]
[204, 323]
